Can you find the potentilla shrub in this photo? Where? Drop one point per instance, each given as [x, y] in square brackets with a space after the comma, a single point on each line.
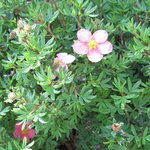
[74, 74]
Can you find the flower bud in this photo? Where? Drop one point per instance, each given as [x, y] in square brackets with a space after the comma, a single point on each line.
[27, 28]
[13, 35]
[11, 96]
[116, 127]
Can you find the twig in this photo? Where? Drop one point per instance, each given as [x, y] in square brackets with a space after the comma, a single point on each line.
[62, 21]
[127, 115]
[54, 5]
[49, 29]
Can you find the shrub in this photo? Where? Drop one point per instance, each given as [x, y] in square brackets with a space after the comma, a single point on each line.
[74, 74]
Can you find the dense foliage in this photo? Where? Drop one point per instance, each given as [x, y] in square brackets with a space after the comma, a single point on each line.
[85, 105]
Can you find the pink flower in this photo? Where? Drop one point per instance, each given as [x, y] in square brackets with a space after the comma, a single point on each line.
[37, 22]
[93, 45]
[62, 60]
[27, 132]
[40, 20]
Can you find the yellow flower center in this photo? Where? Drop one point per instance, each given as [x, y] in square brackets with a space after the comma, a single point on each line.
[24, 131]
[92, 44]
[58, 62]
[27, 28]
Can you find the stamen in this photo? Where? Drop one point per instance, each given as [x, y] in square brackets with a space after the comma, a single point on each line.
[92, 44]
[24, 131]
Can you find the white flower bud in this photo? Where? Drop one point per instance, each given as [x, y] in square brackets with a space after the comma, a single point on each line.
[11, 96]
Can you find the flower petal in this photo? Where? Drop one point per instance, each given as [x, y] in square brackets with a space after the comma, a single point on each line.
[56, 60]
[18, 125]
[29, 124]
[16, 133]
[57, 69]
[80, 48]
[105, 48]
[31, 133]
[100, 36]
[84, 35]
[68, 59]
[61, 55]
[94, 56]
[37, 22]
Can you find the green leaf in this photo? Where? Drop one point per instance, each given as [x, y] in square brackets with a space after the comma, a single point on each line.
[133, 130]
[3, 111]
[147, 138]
[148, 112]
